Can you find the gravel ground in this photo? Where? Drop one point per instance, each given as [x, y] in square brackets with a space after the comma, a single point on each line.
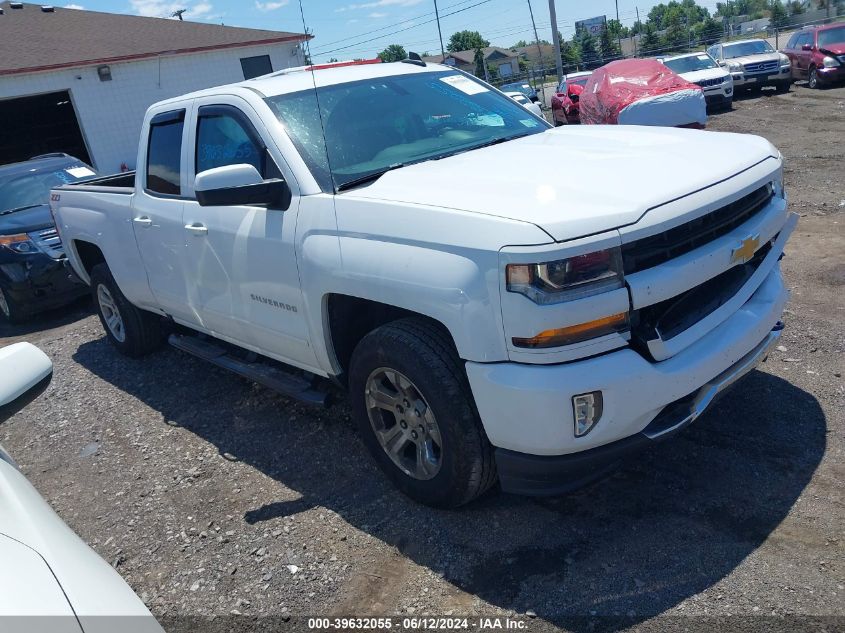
[213, 496]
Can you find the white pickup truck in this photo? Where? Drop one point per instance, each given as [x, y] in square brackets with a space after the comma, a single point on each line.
[502, 300]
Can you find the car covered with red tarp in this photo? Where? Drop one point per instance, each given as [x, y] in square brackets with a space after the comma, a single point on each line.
[641, 92]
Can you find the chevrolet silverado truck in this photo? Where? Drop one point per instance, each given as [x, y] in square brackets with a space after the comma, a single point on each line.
[503, 301]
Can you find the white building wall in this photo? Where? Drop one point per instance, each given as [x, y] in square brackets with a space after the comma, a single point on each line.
[110, 113]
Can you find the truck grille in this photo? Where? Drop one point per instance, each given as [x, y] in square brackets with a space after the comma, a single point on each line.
[762, 67]
[708, 83]
[667, 319]
[658, 249]
[48, 241]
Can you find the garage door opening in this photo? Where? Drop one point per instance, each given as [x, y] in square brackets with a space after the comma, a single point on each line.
[40, 124]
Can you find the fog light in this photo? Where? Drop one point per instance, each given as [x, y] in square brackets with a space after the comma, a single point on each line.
[587, 409]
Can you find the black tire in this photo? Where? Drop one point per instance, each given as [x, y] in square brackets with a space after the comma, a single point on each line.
[10, 311]
[424, 353]
[784, 87]
[813, 78]
[142, 331]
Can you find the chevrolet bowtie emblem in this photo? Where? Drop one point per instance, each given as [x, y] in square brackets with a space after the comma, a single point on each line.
[746, 250]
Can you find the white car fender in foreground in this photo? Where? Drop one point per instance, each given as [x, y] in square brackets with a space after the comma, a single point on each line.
[50, 580]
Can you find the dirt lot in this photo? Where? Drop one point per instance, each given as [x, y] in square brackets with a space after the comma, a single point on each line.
[213, 496]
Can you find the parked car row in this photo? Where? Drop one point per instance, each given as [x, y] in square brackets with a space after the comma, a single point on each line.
[815, 54]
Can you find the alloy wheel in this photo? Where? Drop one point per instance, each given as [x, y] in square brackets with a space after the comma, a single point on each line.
[404, 424]
[111, 315]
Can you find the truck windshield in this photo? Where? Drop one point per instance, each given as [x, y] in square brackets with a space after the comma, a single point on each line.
[691, 64]
[27, 189]
[732, 51]
[375, 125]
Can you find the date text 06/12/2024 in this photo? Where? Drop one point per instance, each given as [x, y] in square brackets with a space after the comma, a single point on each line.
[416, 624]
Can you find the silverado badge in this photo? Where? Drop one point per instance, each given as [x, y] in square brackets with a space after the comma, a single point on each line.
[746, 250]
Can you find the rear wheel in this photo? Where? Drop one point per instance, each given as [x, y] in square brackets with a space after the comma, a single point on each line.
[134, 332]
[414, 409]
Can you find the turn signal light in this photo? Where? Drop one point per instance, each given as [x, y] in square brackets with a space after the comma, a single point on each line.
[575, 333]
[19, 243]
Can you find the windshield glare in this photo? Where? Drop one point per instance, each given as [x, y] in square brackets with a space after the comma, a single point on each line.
[26, 189]
[832, 36]
[731, 51]
[375, 124]
[690, 64]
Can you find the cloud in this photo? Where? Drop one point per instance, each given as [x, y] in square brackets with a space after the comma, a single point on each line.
[377, 15]
[166, 8]
[376, 4]
[78, 7]
[270, 6]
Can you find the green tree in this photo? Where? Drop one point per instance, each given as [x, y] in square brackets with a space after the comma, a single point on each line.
[393, 53]
[570, 54]
[796, 7]
[650, 43]
[479, 63]
[466, 41]
[779, 14]
[609, 47]
[709, 31]
[589, 50]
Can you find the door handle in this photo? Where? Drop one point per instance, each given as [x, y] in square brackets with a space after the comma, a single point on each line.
[197, 229]
[144, 221]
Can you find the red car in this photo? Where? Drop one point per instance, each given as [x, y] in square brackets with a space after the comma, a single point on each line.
[818, 54]
[565, 104]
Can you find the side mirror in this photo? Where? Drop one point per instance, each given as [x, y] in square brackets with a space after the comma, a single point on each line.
[806, 47]
[235, 185]
[25, 372]
[574, 98]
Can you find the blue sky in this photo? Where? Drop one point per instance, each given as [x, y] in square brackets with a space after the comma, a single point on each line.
[348, 29]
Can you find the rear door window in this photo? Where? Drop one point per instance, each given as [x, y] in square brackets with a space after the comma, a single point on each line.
[164, 153]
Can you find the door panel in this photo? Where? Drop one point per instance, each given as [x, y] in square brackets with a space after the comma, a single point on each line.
[157, 217]
[244, 266]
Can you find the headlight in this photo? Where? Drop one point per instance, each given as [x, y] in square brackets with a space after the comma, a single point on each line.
[830, 62]
[567, 279]
[19, 243]
[784, 60]
[735, 67]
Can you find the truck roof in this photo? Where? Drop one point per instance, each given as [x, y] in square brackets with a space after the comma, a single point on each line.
[303, 78]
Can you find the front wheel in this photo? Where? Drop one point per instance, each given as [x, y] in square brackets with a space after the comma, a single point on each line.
[414, 409]
[9, 309]
[813, 78]
[134, 332]
[783, 87]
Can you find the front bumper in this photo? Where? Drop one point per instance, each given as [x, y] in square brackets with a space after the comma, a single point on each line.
[832, 75]
[773, 78]
[528, 408]
[39, 282]
[525, 474]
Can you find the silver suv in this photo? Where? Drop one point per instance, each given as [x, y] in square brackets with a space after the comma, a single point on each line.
[754, 64]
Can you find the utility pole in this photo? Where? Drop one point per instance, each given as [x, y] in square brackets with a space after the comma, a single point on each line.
[439, 32]
[539, 48]
[556, 37]
[639, 32]
[178, 14]
[619, 24]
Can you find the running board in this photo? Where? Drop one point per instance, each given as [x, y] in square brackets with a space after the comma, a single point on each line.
[280, 381]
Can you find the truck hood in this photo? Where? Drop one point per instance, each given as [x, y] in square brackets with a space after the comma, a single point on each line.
[575, 181]
[26, 220]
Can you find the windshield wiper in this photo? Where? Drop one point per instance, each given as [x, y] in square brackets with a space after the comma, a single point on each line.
[24, 208]
[495, 141]
[363, 180]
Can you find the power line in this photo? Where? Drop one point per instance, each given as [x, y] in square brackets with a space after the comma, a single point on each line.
[388, 26]
[413, 26]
